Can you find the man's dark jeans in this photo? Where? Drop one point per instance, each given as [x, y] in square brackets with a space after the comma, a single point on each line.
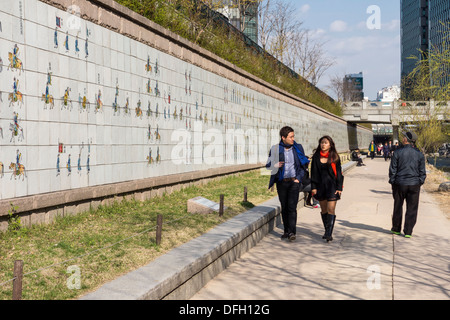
[411, 195]
[288, 193]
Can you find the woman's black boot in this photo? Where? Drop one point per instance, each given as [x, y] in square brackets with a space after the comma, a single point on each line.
[330, 226]
[324, 220]
[308, 199]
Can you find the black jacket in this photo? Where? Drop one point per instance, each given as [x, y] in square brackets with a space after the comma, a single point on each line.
[315, 173]
[407, 167]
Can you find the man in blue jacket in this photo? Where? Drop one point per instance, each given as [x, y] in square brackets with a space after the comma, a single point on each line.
[287, 161]
[406, 175]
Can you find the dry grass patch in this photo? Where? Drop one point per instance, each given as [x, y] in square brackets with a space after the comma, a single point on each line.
[116, 239]
[434, 178]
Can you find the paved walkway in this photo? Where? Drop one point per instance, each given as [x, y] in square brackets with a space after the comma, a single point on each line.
[365, 261]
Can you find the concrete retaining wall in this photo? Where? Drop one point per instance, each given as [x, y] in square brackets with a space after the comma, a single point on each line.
[100, 102]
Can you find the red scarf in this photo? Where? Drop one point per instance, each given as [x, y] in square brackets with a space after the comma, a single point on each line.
[333, 165]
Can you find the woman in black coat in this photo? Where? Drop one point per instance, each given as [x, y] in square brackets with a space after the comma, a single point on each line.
[327, 182]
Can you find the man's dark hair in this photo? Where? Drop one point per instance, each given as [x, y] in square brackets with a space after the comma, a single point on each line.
[284, 132]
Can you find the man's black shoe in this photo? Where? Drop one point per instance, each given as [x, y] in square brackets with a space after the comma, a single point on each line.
[291, 236]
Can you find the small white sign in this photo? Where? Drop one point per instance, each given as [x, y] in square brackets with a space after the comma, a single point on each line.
[207, 203]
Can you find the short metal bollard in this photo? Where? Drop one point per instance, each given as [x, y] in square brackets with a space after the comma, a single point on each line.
[159, 220]
[221, 205]
[17, 282]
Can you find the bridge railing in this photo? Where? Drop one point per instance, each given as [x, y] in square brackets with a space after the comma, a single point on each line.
[395, 112]
[396, 104]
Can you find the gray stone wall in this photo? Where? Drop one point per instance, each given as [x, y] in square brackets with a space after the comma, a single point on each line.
[93, 96]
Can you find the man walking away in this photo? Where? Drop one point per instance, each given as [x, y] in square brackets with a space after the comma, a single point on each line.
[406, 175]
[287, 162]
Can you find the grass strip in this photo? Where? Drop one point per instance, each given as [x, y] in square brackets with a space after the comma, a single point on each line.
[110, 241]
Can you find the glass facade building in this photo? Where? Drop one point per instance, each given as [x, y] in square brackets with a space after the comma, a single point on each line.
[439, 23]
[414, 32]
[423, 23]
[243, 15]
[439, 20]
[251, 21]
[353, 87]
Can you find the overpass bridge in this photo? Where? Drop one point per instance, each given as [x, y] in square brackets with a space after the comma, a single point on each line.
[394, 113]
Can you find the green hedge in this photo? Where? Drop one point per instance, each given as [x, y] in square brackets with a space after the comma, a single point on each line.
[229, 46]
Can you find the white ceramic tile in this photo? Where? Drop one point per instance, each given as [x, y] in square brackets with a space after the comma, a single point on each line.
[42, 14]
[106, 37]
[99, 55]
[127, 45]
[91, 74]
[120, 62]
[113, 39]
[119, 143]
[30, 10]
[31, 33]
[18, 29]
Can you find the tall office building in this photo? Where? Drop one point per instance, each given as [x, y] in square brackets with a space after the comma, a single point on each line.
[421, 30]
[439, 27]
[414, 33]
[353, 87]
[439, 20]
[242, 14]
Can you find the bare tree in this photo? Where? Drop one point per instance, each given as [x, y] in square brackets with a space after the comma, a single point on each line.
[343, 90]
[198, 20]
[337, 87]
[428, 119]
[265, 23]
[282, 35]
[285, 25]
[310, 57]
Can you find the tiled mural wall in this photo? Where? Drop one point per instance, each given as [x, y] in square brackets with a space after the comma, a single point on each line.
[81, 105]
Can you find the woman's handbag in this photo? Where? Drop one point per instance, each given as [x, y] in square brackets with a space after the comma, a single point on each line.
[306, 180]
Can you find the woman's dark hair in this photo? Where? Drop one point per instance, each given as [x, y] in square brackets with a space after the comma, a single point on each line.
[333, 155]
[284, 132]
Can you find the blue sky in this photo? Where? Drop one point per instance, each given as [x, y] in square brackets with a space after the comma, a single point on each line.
[342, 25]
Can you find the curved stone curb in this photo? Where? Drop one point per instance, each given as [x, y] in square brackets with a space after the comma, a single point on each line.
[183, 271]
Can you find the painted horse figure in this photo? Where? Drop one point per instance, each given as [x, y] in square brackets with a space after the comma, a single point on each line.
[17, 170]
[84, 103]
[14, 97]
[48, 98]
[66, 102]
[14, 62]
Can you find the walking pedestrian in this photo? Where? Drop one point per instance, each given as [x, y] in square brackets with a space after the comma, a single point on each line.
[288, 164]
[386, 151]
[406, 175]
[372, 149]
[327, 182]
[391, 149]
